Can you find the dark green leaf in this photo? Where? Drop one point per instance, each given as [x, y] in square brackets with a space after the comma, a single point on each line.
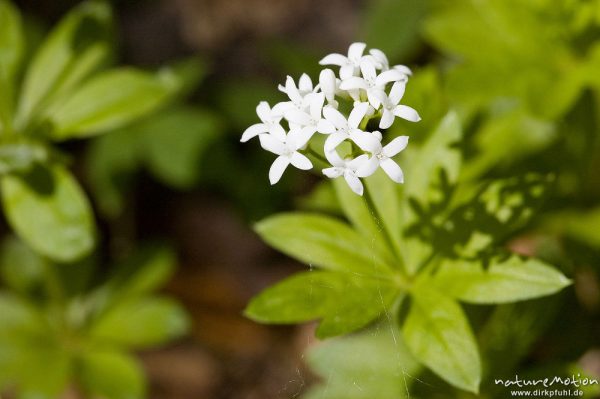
[438, 335]
[50, 212]
[21, 268]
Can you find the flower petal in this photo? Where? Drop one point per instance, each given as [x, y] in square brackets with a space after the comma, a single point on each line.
[392, 75]
[392, 169]
[374, 96]
[381, 59]
[334, 116]
[394, 147]
[277, 131]
[301, 118]
[253, 131]
[334, 158]
[326, 127]
[305, 83]
[406, 112]
[334, 59]
[366, 141]
[397, 92]
[316, 101]
[292, 91]
[354, 182]
[334, 140]
[387, 119]
[358, 113]
[355, 51]
[279, 109]
[334, 172]
[327, 82]
[347, 71]
[404, 69]
[277, 168]
[264, 111]
[353, 83]
[357, 162]
[367, 68]
[298, 138]
[300, 161]
[368, 168]
[271, 144]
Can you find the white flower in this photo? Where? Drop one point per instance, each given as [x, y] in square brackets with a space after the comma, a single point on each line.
[349, 66]
[338, 127]
[308, 121]
[329, 86]
[297, 94]
[391, 107]
[381, 156]
[287, 150]
[346, 168]
[381, 60]
[371, 82]
[270, 118]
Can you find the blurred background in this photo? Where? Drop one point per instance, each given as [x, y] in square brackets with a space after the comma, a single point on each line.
[524, 77]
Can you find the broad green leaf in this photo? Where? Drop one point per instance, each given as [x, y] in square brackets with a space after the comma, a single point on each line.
[322, 241]
[438, 334]
[111, 374]
[110, 100]
[429, 178]
[393, 26]
[18, 317]
[322, 198]
[503, 280]
[50, 212]
[22, 269]
[372, 364]
[363, 219]
[43, 370]
[76, 48]
[342, 302]
[174, 142]
[141, 323]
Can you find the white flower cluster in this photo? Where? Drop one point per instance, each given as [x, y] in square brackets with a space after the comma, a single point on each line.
[363, 82]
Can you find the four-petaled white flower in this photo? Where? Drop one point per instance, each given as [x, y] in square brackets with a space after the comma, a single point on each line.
[287, 150]
[392, 108]
[270, 118]
[338, 127]
[347, 168]
[381, 156]
[371, 82]
[349, 65]
[366, 88]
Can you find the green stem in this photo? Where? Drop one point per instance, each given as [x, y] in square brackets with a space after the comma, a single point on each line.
[309, 151]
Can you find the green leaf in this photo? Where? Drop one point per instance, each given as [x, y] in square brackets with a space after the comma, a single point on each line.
[502, 281]
[322, 241]
[20, 154]
[11, 53]
[49, 211]
[439, 336]
[76, 48]
[110, 100]
[343, 302]
[22, 269]
[113, 375]
[18, 318]
[141, 323]
[372, 364]
[175, 141]
[11, 40]
[581, 225]
[431, 173]
[393, 26]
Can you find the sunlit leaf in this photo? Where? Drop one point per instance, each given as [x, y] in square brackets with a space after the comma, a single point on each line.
[50, 212]
[438, 334]
[322, 241]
